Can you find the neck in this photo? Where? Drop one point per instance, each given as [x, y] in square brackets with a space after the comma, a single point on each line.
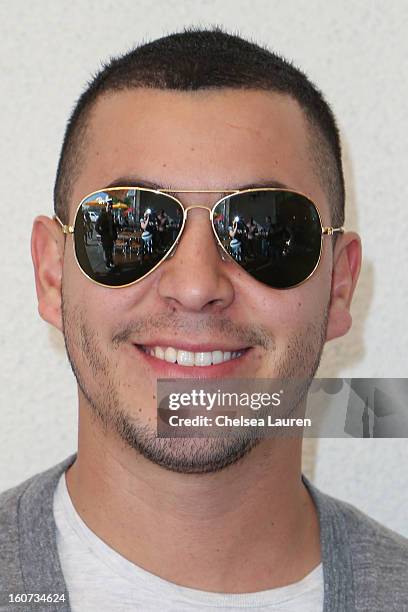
[249, 527]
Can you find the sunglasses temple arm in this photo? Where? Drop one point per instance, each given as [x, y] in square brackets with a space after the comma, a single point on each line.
[329, 231]
[67, 229]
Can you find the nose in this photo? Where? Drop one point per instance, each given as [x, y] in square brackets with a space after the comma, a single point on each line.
[194, 279]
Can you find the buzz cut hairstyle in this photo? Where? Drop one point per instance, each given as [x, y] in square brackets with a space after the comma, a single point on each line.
[207, 59]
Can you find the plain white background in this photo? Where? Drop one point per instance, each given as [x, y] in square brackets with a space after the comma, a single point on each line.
[356, 53]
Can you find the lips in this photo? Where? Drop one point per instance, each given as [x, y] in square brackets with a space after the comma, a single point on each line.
[188, 358]
[236, 360]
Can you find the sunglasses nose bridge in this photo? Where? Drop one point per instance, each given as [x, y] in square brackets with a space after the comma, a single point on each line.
[186, 209]
[209, 210]
[197, 206]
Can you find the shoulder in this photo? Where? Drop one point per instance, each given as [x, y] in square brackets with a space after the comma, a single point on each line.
[370, 538]
[377, 556]
[11, 498]
[9, 537]
[9, 508]
[22, 517]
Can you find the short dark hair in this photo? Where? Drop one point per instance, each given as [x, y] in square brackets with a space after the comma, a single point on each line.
[207, 59]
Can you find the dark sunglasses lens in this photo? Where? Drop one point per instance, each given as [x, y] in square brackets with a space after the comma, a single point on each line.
[273, 235]
[122, 234]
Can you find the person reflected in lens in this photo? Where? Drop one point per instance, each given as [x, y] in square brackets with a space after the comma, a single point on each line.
[162, 228]
[175, 224]
[278, 234]
[236, 233]
[107, 229]
[88, 227]
[251, 233]
[147, 223]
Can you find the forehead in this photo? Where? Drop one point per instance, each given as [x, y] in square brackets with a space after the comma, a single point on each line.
[210, 139]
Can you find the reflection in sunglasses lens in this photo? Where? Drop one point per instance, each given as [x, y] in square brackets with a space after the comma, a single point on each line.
[122, 234]
[274, 235]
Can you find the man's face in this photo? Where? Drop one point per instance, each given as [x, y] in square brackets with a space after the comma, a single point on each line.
[194, 300]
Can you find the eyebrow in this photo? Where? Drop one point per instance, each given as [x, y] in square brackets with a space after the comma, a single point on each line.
[133, 181]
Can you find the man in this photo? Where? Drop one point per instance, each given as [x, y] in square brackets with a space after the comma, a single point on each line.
[106, 228]
[138, 522]
[162, 228]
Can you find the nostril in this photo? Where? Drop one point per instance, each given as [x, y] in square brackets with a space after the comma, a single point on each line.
[215, 302]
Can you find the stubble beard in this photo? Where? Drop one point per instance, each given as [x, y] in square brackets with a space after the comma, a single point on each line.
[114, 415]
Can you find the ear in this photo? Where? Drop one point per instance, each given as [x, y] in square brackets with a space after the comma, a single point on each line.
[346, 269]
[47, 251]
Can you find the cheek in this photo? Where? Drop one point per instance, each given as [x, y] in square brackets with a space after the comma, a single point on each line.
[286, 310]
[102, 308]
[296, 319]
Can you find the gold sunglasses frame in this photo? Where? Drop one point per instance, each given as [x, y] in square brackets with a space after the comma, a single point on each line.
[70, 229]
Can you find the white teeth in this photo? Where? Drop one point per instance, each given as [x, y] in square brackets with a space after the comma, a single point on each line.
[159, 352]
[185, 358]
[202, 359]
[188, 358]
[217, 357]
[170, 354]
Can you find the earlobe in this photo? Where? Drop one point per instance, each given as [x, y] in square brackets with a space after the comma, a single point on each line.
[47, 247]
[346, 269]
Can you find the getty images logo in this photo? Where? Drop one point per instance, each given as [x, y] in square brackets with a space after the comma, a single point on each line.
[222, 399]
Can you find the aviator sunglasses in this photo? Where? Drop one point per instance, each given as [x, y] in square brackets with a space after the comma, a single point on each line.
[122, 234]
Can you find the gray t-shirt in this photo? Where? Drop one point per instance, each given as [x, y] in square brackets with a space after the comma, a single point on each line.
[365, 565]
[98, 578]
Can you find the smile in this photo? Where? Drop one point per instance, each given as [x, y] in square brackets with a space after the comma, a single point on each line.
[188, 358]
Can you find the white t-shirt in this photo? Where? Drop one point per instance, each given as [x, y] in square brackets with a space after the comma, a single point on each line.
[98, 578]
